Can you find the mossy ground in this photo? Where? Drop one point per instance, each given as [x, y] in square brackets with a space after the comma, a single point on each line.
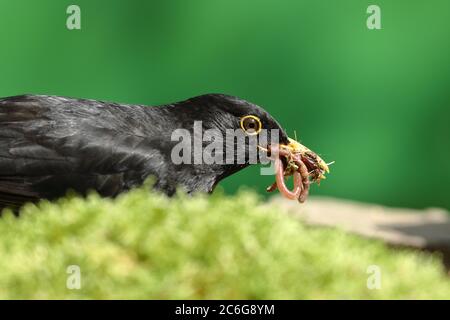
[147, 246]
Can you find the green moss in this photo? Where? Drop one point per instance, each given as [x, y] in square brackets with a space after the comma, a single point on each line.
[147, 246]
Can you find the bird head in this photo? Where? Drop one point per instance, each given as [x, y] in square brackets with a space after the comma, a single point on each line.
[254, 134]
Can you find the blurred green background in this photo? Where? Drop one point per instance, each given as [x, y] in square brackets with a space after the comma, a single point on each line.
[375, 101]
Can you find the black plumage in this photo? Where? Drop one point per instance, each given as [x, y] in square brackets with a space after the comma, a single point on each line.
[50, 144]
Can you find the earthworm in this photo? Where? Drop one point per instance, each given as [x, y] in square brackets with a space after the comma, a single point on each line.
[301, 175]
[305, 178]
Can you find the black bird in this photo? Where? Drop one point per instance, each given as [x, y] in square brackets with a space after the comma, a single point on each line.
[51, 144]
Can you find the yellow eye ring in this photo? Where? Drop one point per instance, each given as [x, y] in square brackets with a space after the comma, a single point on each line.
[251, 125]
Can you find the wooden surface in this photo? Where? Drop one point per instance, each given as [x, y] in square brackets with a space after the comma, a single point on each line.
[427, 229]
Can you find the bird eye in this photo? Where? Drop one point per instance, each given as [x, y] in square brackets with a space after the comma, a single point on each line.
[251, 125]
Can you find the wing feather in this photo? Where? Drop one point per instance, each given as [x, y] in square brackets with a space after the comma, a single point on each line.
[49, 144]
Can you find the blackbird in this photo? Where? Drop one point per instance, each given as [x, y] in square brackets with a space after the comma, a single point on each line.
[52, 144]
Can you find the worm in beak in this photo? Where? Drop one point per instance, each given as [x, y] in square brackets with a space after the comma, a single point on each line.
[294, 159]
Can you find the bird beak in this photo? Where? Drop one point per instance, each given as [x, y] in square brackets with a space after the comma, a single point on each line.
[294, 159]
[310, 158]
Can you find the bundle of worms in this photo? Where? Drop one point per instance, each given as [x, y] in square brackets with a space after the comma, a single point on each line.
[304, 167]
